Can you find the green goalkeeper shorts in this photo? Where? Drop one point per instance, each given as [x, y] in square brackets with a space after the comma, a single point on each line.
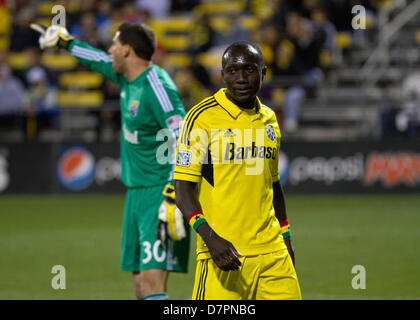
[141, 249]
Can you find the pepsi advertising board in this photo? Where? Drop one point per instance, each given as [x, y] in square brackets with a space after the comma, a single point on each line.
[25, 168]
[76, 168]
[347, 167]
[52, 168]
[88, 168]
[362, 167]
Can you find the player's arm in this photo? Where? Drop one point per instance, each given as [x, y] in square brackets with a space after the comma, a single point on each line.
[192, 149]
[58, 37]
[281, 215]
[166, 106]
[164, 102]
[279, 202]
[95, 59]
[222, 251]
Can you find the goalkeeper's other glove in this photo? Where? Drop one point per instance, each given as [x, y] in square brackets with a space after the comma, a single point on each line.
[171, 220]
[52, 36]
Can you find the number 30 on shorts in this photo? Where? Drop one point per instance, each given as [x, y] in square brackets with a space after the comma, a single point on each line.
[152, 252]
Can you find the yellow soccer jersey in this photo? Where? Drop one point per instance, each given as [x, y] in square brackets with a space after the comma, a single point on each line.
[233, 156]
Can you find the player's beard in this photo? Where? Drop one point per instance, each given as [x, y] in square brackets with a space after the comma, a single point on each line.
[118, 66]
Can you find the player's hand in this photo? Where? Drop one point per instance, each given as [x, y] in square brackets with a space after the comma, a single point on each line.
[52, 36]
[290, 248]
[171, 220]
[223, 253]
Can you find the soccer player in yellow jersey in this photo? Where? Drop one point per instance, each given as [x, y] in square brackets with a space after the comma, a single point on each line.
[228, 152]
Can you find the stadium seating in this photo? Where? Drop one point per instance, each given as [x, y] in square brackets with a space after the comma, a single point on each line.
[80, 79]
[17, 61]
[5, 21]
[342, 106]
[220, 7]
[59, 61]
[44, 8]
[82, 99]
[54, 61]
[346, 106]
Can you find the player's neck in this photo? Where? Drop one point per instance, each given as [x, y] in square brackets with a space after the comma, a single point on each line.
[135, 68]
[249, 105]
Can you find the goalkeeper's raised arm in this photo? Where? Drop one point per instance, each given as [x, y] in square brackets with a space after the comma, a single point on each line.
[95, 59]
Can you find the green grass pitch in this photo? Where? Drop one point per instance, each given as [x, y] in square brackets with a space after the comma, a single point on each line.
[331, 234]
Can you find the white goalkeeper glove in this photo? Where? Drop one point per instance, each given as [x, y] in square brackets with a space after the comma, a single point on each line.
[171, 220]
[52, 36]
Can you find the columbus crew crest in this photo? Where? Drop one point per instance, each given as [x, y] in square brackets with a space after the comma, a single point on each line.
[134, 108]
[271, 134]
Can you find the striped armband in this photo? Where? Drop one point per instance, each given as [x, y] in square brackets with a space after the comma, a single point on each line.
[285, 229]
[196, 219]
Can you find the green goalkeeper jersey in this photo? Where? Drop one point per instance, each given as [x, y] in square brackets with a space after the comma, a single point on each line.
[148, 104]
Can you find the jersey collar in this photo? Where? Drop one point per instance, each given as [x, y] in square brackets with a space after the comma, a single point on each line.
[142, 75]
[229, 106]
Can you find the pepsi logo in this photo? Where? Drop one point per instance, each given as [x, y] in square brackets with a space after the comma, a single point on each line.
[76, 168]
[284, 166]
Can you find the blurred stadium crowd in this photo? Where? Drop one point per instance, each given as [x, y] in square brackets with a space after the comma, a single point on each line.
[49, 96]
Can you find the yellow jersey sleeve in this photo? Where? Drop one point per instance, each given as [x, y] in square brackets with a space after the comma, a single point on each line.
[192, 150]
[274, 167]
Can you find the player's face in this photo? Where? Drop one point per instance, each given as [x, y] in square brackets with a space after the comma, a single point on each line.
[117, 55]
[243, 76]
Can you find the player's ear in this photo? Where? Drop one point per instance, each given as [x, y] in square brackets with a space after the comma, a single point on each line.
[222, 73]
[126, 50]
[263, 72]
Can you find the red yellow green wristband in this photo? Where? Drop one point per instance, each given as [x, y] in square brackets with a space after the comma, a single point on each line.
[285, 229]
[196, 219]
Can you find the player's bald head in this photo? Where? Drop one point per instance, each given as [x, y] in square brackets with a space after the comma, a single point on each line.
[243, 47]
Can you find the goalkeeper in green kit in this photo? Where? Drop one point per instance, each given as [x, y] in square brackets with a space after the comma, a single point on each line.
[155, 237]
